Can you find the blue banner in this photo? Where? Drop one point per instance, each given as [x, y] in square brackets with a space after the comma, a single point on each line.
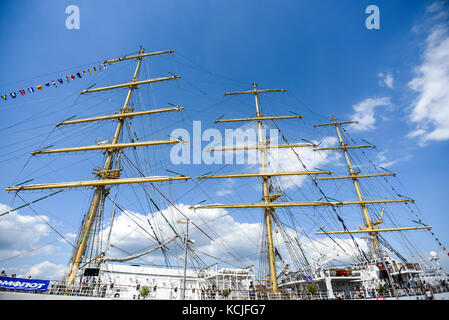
[308, 278]
[24, 284]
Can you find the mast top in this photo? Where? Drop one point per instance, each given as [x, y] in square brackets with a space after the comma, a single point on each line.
[139, 55]
[255, 91]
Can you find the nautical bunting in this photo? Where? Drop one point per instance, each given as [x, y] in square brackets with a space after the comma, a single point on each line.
[68, 78]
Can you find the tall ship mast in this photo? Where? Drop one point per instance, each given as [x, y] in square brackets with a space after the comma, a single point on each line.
[371, 227]
[109, 174]
[314, 272]
[269, 205]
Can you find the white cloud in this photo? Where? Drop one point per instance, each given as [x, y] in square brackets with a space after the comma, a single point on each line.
[230, 237]
[223, 192]
[386, 79]
[47, 270]
[234, 241]
[437, 9]
[277, 159]
[241, 237]
[365, 111]
[430, 112]
[383, 161]
[330, 250]
[285, 160]
[70, 235]
[19, 234]
[226, 188]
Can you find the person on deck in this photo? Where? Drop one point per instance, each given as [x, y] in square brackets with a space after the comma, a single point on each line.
[429, 294]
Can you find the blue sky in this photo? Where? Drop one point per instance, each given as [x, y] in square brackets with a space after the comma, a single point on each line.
[321, 52]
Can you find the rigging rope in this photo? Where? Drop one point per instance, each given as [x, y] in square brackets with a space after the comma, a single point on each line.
[324, 195]
[46, 222]
[398, 194]
[168, 199]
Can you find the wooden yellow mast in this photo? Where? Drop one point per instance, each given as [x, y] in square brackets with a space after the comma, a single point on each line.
[107, 176]
[266, 197]
[268, 205]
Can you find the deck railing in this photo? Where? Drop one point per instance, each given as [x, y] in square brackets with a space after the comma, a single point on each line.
[99, 290]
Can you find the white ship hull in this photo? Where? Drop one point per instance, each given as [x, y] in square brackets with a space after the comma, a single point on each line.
[5, 295]
[123, 282]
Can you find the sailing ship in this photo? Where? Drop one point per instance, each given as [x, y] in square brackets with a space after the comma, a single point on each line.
[92, 274]
[376, 269]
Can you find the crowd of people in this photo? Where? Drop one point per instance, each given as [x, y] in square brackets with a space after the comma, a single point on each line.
[3, 274]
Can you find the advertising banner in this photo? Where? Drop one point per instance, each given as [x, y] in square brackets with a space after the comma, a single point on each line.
[24, 284]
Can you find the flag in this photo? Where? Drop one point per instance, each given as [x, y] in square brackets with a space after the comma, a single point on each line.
[276, 253]
[68, 78]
